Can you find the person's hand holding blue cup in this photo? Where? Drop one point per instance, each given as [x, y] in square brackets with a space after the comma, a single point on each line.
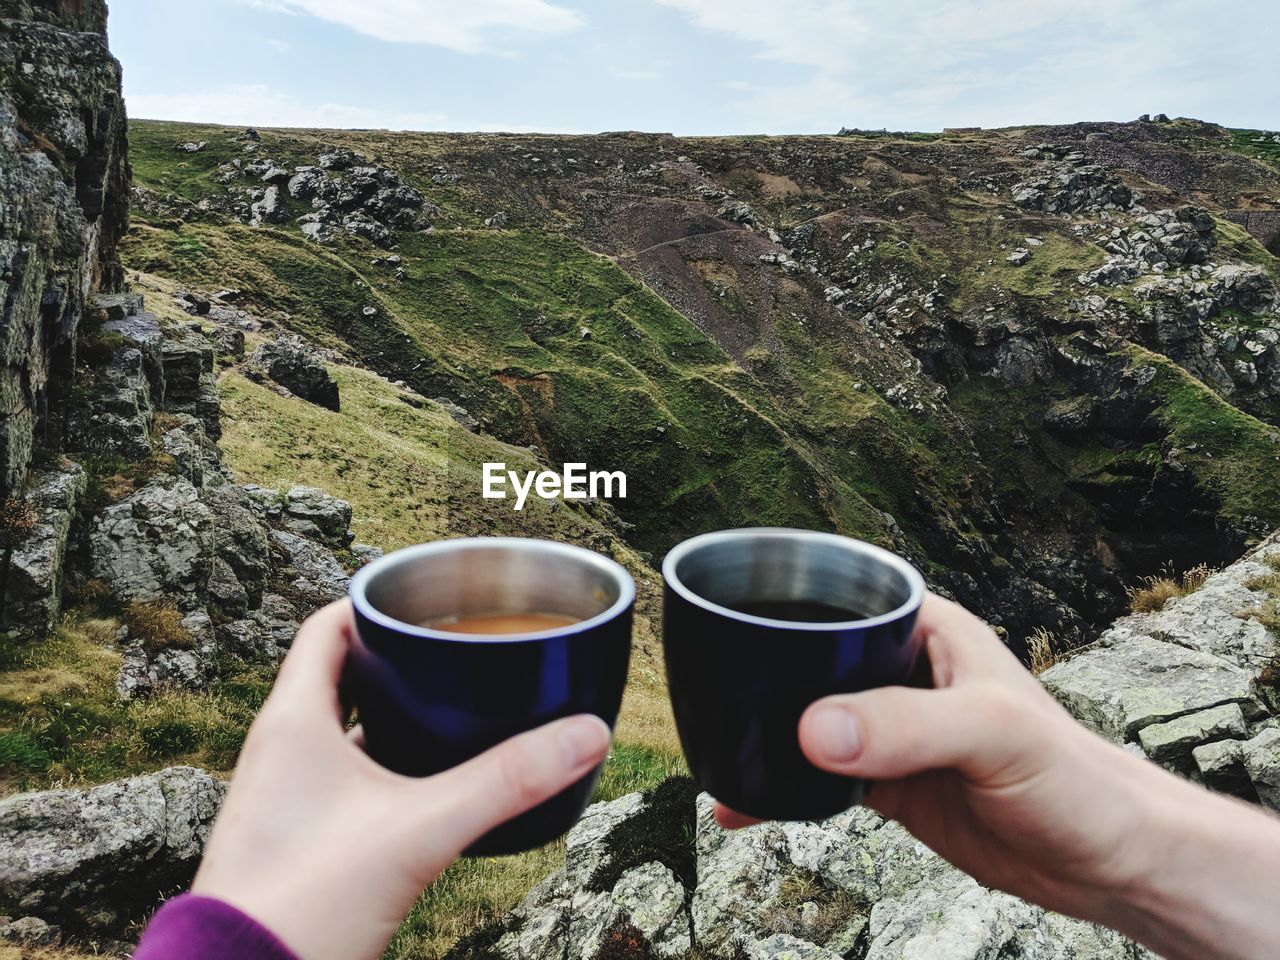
[463, 644]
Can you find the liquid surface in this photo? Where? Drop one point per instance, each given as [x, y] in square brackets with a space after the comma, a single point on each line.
[799, 611]
[495, 624]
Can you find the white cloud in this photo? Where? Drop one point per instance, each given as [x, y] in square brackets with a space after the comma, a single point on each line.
[927, 63]
[258, 105]
[638, 75]
[280, 46]
[462, 26]
[262, 106]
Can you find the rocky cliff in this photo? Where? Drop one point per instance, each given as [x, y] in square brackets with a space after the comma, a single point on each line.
[138, 582]
[64, 185]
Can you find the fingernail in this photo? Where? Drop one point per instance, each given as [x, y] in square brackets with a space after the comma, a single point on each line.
[583, 741]
[835, 734]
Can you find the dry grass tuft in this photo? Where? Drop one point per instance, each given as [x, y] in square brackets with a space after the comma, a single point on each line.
[1043, 650]
[157, 625]
[1156, 591]
[835, 908]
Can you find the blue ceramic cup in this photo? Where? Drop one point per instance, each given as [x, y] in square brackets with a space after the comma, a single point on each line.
[429, 699]
[757, 625]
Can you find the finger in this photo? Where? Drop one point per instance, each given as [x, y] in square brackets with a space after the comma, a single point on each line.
[311, 673]
[356, 736]
[893, 732]
[517, 775]
[961, 646]
[732, 819]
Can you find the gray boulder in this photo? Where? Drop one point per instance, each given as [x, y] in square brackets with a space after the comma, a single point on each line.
[1262, 762]
[127, 319]
[31, 932]
[853, 885]
[291, 362]
[305, 183]
[190, 386]
[242, 545]
[317, 577]
[157, 542]
[1129, 680]
[115, 413]
[38, 528]
[313, 513]
[1173, 740]
[359, 224]
[194, 457]
[192, 667]
[340, 159]
[572, 914]
[95, 859]
[270, 209]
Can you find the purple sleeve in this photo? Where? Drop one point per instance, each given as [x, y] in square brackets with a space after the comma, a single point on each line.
[202, 928]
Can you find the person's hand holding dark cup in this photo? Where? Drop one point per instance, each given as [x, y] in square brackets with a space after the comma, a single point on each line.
[326, 848]
[994, 775]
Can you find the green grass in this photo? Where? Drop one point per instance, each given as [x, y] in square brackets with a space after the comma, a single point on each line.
[61, 721]
[1246, 142]
[493, 319]
[1235, 457]
[632, 768]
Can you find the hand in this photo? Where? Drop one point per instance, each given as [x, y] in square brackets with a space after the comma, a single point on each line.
[991, 773]
[329, 850]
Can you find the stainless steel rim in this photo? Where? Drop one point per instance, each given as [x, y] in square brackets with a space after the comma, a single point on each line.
[360, 581]
[915, 582]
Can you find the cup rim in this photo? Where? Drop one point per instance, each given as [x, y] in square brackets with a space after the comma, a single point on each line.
[913, 577]
[358, 590]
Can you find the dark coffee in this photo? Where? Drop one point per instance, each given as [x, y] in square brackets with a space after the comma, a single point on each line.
[799, 611]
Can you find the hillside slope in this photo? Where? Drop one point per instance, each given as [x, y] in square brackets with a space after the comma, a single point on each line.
[1041, 362]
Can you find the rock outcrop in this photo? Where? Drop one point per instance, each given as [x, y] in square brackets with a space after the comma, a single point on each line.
[34, 541]
[64, 187]
[654, 876]
[1191, 686]
[92, 858]
[297, 366]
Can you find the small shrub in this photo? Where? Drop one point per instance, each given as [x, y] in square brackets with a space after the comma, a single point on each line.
[1155, 591]
[17, 519]
[157, 625]
[624, 942]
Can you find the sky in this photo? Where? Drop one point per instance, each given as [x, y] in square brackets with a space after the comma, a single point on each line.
[696, 66]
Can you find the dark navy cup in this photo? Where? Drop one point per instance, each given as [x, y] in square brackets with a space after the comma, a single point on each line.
[429, 699]
[740, 681]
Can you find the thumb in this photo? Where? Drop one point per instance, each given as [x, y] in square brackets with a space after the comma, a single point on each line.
[518, 774]
[895, 732]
